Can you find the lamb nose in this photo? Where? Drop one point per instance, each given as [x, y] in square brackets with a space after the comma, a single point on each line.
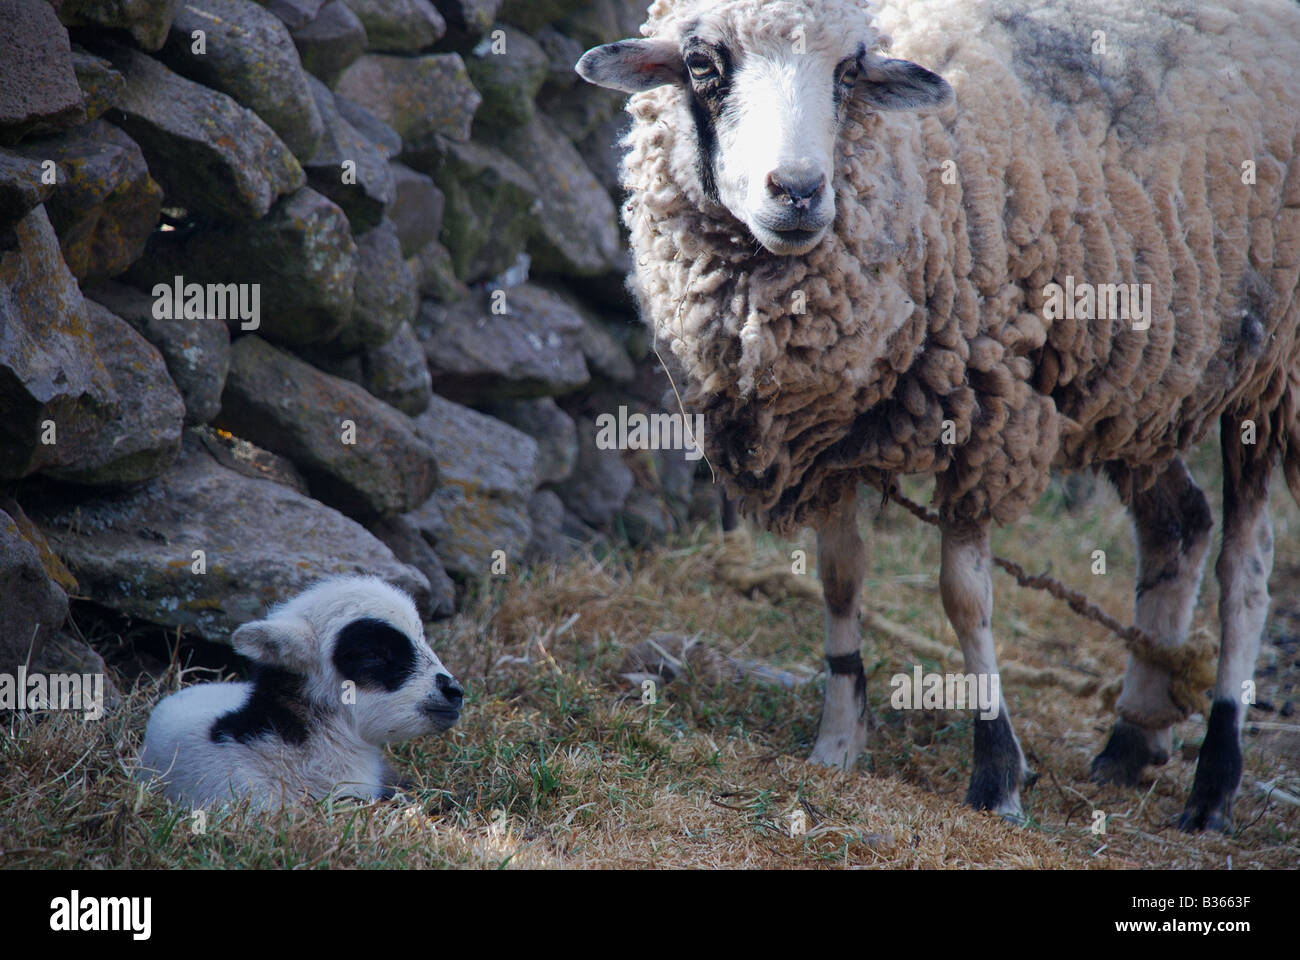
[799, 189]
[450, 689]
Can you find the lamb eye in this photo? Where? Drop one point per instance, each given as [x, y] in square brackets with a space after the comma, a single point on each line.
[701, 67]
[849, 74]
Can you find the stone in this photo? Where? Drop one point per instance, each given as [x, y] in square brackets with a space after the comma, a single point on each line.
[134, 550]
[300, 256]
[384, 292]
[211, 155]
[195, 349]
[562, 53]
[536, 15]
[553, 429]
[142, 440]
[294, 13]
[491, 208]
[507, 72]
[435, 275]
[422, 98]
[417, 209]
[467, 19]
[100, 84]
[396, 373]
[399, 26]
[358, 454]
[534, 349]
[644, 519]
[409, 546]
[51, 376]
[546, 513]
[364, 189]
[106, 204]
[38, 85]
[21, 189]
[34, 605]
[147, 21]
[577, 229]
[600, 482]
[249, 55]
[384, 137]
[488, 471]
[329, 44]
[600, 149]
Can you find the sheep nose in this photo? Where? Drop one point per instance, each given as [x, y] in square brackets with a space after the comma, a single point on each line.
[450, 689]
[796, 186]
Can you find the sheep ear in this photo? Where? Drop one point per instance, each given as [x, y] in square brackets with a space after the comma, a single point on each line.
[632, 65]
[285, 643]
[901, 85]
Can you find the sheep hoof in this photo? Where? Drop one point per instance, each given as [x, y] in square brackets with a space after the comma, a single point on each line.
[1127, 753]
[1195, 818]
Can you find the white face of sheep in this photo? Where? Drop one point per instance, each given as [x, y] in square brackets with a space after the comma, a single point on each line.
[359, 647]
[766, 120]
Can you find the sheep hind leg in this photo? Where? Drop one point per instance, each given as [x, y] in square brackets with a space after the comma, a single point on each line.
[1245, 561]
[1171, 523]
[966, 586]
[842, 563]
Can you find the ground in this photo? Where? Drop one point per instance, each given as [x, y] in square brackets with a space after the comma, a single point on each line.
[557, 762]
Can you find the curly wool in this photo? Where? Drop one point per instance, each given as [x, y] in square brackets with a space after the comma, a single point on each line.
[925, 302]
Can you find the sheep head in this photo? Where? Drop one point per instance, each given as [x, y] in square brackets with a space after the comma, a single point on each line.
[767, 88]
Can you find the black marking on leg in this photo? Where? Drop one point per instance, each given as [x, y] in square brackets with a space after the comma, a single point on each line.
[997, 764]
[850, 664]
[1125, 755]
[1218, 773]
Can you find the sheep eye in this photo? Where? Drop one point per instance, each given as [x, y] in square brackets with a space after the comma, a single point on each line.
[701, 67]
[849, 71]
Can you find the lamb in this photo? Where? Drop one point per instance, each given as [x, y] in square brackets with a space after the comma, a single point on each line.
[342, 669]
[862, 269]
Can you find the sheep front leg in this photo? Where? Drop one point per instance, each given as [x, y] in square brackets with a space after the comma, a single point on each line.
[842, 563]
[1245, 561]
[966, 586]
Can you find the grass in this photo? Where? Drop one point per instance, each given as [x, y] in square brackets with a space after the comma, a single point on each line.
[557, 762]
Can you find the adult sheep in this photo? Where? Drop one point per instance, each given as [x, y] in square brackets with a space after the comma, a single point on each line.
[861, 268]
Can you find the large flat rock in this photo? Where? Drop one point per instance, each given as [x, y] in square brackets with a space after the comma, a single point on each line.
[133, 551]
[38, 85]
[51, 375]
[487, 473]
[477, 355]
[143, 438]
[249, 55]
[105, 205]
[211, 155]
[378, 466]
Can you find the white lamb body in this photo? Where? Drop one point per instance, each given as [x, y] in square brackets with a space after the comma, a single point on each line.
[341, 670]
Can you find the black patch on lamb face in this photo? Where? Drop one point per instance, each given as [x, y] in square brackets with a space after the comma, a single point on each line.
[838, 90]
[276, 708]
[374, 654]
[708, 104]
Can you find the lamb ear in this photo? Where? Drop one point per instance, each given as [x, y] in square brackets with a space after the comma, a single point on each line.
[632, 65]
[901, 85]
[284, 643]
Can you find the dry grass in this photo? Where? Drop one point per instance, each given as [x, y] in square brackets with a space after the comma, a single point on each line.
[558, 763]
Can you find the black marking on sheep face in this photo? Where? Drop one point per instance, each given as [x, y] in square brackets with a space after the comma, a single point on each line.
[1218, 772]
[847, 73]
[707, 67]
[374, 655]
[1125, 755]
[275, 708]
[996, 774]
